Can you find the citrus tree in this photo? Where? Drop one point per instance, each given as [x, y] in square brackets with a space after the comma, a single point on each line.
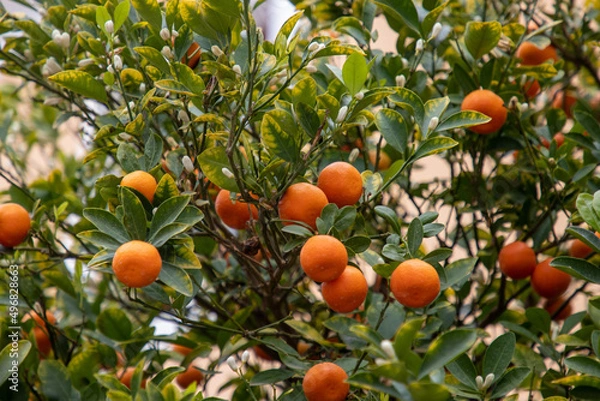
[265, 198]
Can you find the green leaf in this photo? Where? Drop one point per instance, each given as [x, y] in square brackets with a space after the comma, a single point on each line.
[154, 57]
[446, 348]
[82, 367]
[482, 37]
[166, 233]
[372, 382]
[176, 278]
[406, 98]
[55, 382]
[167, 375]
[278, 140]
[149, 10]
[153, 150]
[509, 381]
[589, 123]
[121, 14]
[167, 212]
[305, 91]
[586, 236]
[134, 215]
[102, 16]
[540, 71]
[366, 333]
[127, 158]
[539, 319]
[165, 189]
[190, 79]
[11, 357]
[432, 17]
[392, 126]
[107, 223]
[432, 146]
[212, 162]
[464, 370]
[434, 108]
[579, 268]
[402, 10]
[498, 355]
[213, 19]
[357, 243]
[405, 337]
[81, 83]
[270, 376]
[587, 211]
[305, 330]
[354, 73]
[414, 236]
[99, 239]
[114, 323]
[584, 364]
[285, 31]
[438, 255]
[421, 391]
[171, 85]
[463, 119]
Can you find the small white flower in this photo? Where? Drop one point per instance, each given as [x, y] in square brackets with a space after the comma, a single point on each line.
[513, 103]
[55, 34]
[489, 379]
[388, 348]
[359, 95]
[118, 63]
[353, 155]
[142, 87]
[244, 34]
[187, 164]
[245, 356]
[237, 69]
[311, 69]
[165, 34]
[61, 39]
[227, 173]
[435, 31]
[85, 62]
[380, 361]
[131, 104]
[313, 47]
[166, 51]
[109, 26]
[154, 211]
[51, 67]
[524, 107]
[260, 34]
[52, 101]
[183, 116]
[211, 316]
[400, 80]
[216, 50]
[419, 46]
[174, 33]
[172, 142]
[341, 114]
[125, 136]
[233, 364]
[479, 382]
[110, 69]
[433, 123]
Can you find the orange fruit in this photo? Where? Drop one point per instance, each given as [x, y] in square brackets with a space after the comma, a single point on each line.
[191, 375]
[532, 88]
[137, 264]
[552, 305]
[530, 54]
[261, 353]
[302, 202]
[234, 214]
[142, 182]
[14, 224]
[415, 283]
[558, 138]
[517, 260]
[384, 161]
[125, 376]
[325, 381]
[40, 331]
[181, 349]
[488, 103]
[580, 249]
[347, 292]
[565, 101]
[192, 56]
[549, 282]
[341, 183]
[323, 258]
[302, 347]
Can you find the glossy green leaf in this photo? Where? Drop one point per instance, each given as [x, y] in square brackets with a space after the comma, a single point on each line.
[433, 146]
[405, 337]
[55, 382]
[271, 376]
[114, 324]
[11, 357]
[589, 123]
[464, 370]
[354, 73]
[584, 364]
[498, 355]
[99, 239]
[587, 211]
[121, 14]
[149, 10]
[306, 330]
[212, 162]
[168, 212]
[482, 37]
[81, 83]
[509, 381]
[402, 10]
[462, 119]
[134, 215]
[414, 236]
[154, 57]
[445, 348]
[579, 268]
[392, 126]
[583, 380]
[434, 108]
[107, 223]
[278, 140]
[176, 278]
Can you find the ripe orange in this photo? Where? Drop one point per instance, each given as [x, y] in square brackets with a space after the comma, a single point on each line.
[549, 282]
[532, 88]
[530, 54]
[552, 305]
[325, 381]
[517, 260]
[323, 258]
[126, 375]
[191, 375]
[234, 214]
[181, 349]
[565, 101]
[341, 183]
[192, 56]
[40, 331]
[384, 161]
[347, 292]
[580, 249]
[142, 182]
[302, 202]
[260, 352]
[558, 138]
[137, 264]
[488, 103]
[415, 283]
[14, 224]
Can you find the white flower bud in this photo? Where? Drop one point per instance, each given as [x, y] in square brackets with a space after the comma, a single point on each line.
[237, 69]
[359, 95]
[260, 34]
[51, 67]
[52, 100]
[244, 34]
[313, 47]
[232, 364]
[183, 116]
[400, 80]
[479, 382]
[227, 173]
[489, 379]
[211, 316]
[311, 69]
[55, 34]
[388, 348]
[245, 356]
[61, 39]
[109, 26]
[321, 47]
[154, 211]
[435, 31]
[110, 69]
[166, 51]
[118, 63]
[174, 33]
[172, 142]
[341, 114]
[142, 87]
[513, 103]
[380, 361]
[433, 123]
[187, 164]
[125, 136]
[353, 155]
[165, 34]
[419, 46]
[28, 55]
[216, 50]
[85, 62]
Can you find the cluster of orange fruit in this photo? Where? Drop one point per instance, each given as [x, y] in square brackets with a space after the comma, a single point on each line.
[14, 224]
[518, 261]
